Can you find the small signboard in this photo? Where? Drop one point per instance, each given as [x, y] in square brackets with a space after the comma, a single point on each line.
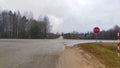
[96, 30]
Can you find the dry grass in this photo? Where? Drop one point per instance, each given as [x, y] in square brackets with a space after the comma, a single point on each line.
[105, 52]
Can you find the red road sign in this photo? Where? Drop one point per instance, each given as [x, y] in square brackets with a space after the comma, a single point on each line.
[96, 30]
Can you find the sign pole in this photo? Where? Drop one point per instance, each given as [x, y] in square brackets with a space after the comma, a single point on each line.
[96, 31]
[96, 37]
[118, 51]
[118, 35]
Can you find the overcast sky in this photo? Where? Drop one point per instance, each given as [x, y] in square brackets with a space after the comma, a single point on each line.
[70, 15]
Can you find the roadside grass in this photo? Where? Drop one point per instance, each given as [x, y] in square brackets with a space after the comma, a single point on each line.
[106, 53]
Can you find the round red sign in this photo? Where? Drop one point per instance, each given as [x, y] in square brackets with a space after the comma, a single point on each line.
[96, 30]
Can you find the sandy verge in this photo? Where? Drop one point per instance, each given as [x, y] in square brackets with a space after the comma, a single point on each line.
[76, 58]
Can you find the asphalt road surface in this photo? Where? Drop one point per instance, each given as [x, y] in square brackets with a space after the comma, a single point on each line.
[47, 53]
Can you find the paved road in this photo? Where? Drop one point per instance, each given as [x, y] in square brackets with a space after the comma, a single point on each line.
[14, 53]
[26, 53]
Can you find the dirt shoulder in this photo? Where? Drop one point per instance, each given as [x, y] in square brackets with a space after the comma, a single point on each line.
[72, 57]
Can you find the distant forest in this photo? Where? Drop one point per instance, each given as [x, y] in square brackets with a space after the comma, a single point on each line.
[14, 25]
[110, 34]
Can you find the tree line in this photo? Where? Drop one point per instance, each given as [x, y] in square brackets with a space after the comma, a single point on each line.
[110, 34]
[15, 25]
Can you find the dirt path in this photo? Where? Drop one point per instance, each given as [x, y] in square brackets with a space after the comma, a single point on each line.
[75, 58]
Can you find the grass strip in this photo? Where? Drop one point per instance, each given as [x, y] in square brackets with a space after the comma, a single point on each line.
[105, 52]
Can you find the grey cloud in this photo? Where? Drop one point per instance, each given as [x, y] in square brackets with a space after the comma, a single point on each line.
[79, 15]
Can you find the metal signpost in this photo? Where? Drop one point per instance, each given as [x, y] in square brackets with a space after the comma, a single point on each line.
[96, 30]
[118, 51]
[118, 47]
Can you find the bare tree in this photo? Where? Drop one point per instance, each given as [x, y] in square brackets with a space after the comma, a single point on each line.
[14, 25]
